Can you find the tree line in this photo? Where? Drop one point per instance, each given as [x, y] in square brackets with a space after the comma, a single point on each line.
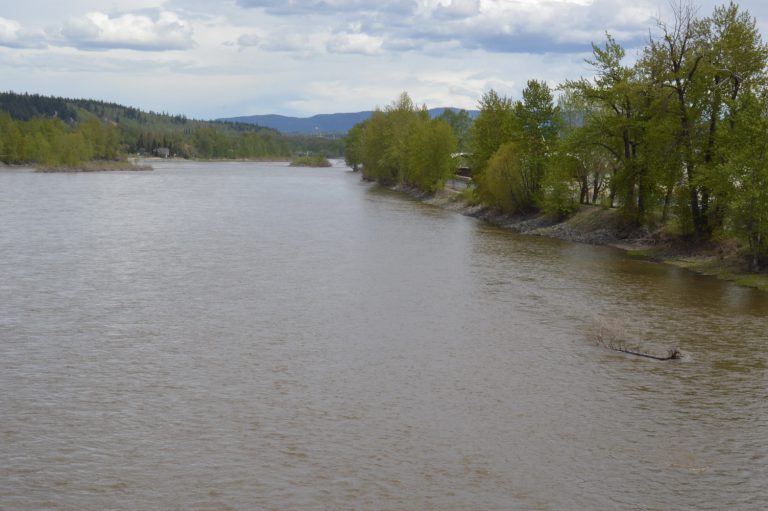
[55, 131]
[401, 144]
[50, 142]
[677, 139]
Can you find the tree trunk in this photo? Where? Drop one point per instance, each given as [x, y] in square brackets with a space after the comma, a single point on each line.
[584, 195]
[596, 185]
[667, 201]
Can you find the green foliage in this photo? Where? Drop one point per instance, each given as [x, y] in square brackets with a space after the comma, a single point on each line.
[533, 124]
[494, 126]
[310, 161]
[461, 124]
[129, 130]
[13, 141]
[744, 178]
[50, 142]
[374, 147]
[577, 159]
[539, 123]
[402, 145]
[700, 68]
[384, 141]
[401, 118]
[558, 198]
[429, 155]
[470, 196]
[615, 125]
[353, 146]
[504, 180]
[680, 136]
[538, 116]
[565, 184]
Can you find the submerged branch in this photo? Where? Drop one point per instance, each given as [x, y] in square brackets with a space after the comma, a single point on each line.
[607, 336]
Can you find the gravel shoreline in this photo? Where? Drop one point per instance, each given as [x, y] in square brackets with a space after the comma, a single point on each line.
[593, 225]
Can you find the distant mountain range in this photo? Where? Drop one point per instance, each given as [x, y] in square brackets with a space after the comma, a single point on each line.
[325, 124]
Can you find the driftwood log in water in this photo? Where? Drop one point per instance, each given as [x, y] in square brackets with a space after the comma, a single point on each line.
[672, 354]
[608, 342]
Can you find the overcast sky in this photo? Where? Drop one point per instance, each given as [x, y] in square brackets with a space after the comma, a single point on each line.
[221, 58]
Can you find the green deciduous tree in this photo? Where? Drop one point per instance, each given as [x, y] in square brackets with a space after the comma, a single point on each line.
[374, 148]
[701, 66]
[12, 139]
[539, 125]
[402, 145]
[429, 154]
[743, 177]
[353, 146]
[495, 125]
[615, 124]
[506, 188]
[461, 124]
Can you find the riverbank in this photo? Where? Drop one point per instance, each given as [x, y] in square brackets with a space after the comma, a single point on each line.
[310, 161]
[596, 225]
[266, 159]
[99, 166]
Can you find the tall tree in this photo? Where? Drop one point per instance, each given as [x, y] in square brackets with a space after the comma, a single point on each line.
[402, 114]
[494, 126]
[429, 154]
[353, 146]
[461, 123]
[746, 176]
[616, 123]
[676, 61]
[539, 124]
[701, 66]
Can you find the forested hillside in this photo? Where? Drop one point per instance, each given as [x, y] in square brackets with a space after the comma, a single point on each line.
[37, 129]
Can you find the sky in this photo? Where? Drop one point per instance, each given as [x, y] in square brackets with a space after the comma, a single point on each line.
[221, 58]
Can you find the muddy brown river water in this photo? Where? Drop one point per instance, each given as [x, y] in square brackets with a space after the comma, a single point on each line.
[214, 336]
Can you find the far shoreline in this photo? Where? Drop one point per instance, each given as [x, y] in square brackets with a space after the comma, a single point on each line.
[95, 166]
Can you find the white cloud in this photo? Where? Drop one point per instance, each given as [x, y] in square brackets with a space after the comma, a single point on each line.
[361, 43]
[453, 9]
[504, 26]
[530, 25]
[230, 60]
[247, 40]
[330, 7]
[13, 35]
[9, 29]
[301, 45]
[100, 31]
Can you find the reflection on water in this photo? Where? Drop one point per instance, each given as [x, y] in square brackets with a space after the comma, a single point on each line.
[253, 336]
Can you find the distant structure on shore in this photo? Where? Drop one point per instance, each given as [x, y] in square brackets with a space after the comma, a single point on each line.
[462, 164]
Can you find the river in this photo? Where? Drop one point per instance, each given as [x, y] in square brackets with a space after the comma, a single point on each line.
[216, 336]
